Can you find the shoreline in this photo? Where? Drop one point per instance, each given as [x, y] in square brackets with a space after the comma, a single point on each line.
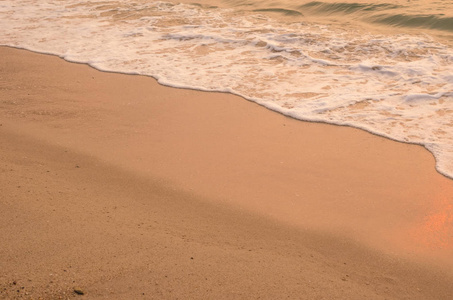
[387, 137]
[315, 188]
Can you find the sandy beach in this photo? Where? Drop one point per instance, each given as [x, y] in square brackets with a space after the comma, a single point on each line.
[120, 188]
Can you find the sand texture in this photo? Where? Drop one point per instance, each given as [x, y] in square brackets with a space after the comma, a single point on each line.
[119, 188]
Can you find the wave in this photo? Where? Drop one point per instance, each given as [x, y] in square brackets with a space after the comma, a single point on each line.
[398, 85]
[382, 13]
[416, 21]
[283, 11]
[347, 8]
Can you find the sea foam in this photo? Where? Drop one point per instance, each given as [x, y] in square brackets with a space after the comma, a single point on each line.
[397, 86]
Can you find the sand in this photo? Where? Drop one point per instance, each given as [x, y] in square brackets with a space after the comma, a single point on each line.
[120, 188]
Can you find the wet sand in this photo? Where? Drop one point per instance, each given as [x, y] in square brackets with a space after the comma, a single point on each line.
[125, 189]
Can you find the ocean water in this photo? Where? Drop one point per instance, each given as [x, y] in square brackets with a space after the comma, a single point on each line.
[382, 66]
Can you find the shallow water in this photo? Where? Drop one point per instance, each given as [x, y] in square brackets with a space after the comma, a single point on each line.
[383, 67]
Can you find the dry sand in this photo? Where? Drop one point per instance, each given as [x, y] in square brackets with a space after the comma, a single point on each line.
[127, 189]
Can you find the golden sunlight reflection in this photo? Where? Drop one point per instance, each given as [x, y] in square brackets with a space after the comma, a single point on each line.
[435, 232]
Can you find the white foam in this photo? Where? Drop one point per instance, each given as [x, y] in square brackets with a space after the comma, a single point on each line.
[397, 86]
